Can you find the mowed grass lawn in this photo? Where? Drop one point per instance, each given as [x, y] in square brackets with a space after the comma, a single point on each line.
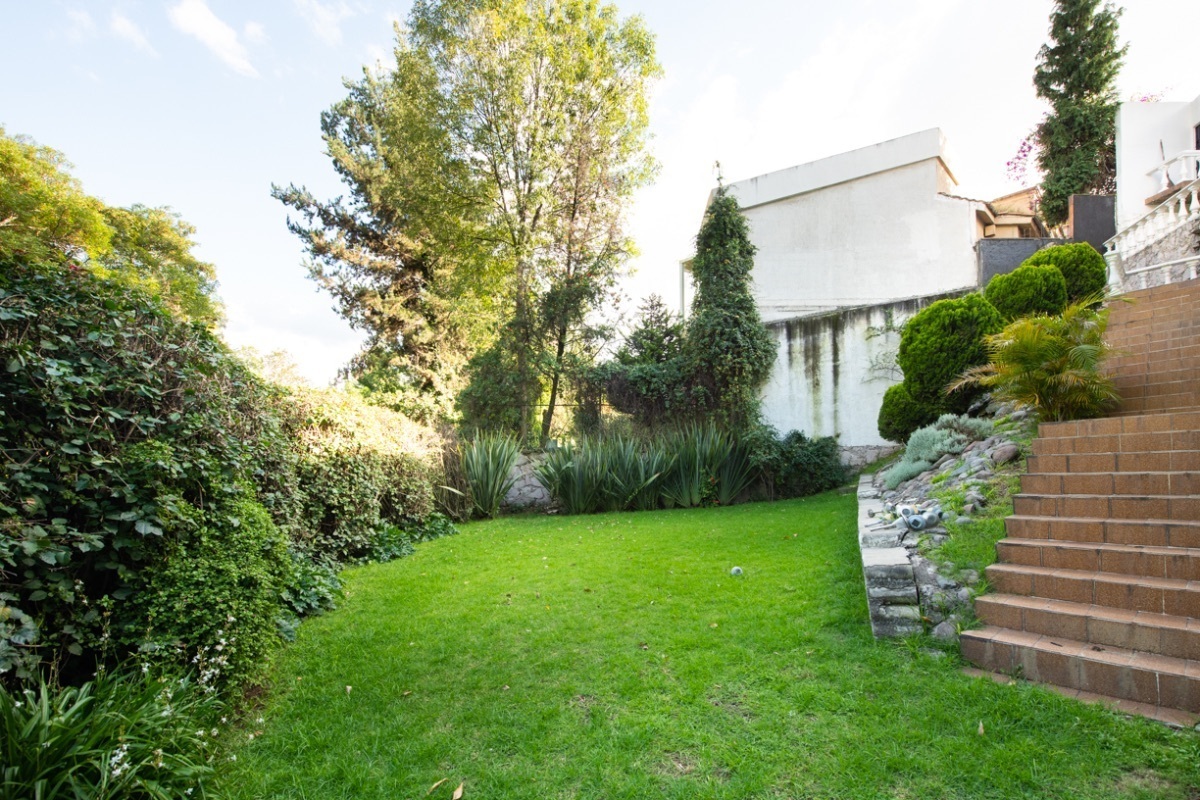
[615, 657]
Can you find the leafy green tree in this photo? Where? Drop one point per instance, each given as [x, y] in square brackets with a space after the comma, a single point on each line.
[152, 247]
[1076, 73]
[44, 211]
[45, 214]
[728, 349]
[488, 171]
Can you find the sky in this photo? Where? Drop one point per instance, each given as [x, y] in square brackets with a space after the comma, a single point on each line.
[202, 105]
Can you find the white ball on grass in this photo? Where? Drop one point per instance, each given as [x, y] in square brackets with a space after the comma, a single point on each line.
[735, 571]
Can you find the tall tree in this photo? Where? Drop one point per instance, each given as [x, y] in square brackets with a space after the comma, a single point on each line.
[491, 163]
[152, 248]
[729, 350]
[46, 214]
[44, 211]
[1076, 74]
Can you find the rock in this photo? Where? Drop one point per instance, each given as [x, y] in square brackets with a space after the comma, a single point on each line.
[970, 577]
[964, 596]
[1019, 415]
[963, 520]
[1005, 453]
[945, 631]
[984, 474]
[969, 508]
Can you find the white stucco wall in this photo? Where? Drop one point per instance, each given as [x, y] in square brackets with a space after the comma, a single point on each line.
[1140, 129]
[831, 371]
[869, 240]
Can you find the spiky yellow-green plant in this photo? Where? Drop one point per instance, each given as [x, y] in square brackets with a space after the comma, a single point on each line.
[1052, 364]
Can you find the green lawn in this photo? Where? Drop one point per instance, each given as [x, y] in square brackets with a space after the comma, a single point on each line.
[615, 657]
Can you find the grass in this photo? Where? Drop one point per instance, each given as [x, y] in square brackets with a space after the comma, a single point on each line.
[614, 656]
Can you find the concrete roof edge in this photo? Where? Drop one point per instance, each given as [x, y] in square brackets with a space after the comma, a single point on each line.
[853, 164]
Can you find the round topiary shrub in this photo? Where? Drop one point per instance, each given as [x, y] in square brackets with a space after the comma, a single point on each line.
[900, 414]
[940, 343]
[1084, 270]
[1027, 290]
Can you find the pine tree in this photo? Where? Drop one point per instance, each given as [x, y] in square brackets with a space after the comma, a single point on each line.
[729, 350]
[1076, 74]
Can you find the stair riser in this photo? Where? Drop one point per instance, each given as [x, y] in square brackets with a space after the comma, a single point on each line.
[1083, 588]
[1176, 642]
[1107, 426]
[1183, 566]
[1176, 484]
[1084, 463]
[1129, 532]
[1127, 681]
[1181, 509]
[1155, 442]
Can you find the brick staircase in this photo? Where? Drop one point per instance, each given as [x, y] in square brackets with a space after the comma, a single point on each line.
[1096, 590]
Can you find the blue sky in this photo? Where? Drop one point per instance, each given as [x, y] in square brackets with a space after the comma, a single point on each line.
[202, 104]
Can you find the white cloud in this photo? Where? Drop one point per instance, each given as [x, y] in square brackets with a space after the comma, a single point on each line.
[324, 18]
[81, 27]
[127, 29]
[255, 32]
[195, 18]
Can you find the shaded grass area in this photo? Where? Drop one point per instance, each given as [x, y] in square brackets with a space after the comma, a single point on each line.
[614, 656]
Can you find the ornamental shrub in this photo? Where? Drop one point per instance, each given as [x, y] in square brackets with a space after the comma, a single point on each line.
[1029, 289]
[949, 435]
[795, 465]
[900, 414]
[940, 343]
[1083, 269]
[123, 734]
[1051, 365]
[214, 593]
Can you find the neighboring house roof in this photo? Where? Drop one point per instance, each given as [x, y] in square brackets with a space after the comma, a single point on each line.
[911, 149]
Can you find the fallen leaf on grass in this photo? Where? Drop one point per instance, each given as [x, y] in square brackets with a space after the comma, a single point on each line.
[712, 624]
[406, 694]
[981, 727]
[439, 783]
[458, 793]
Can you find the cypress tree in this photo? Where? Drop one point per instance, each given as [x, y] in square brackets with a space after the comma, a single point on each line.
[730, 352]
[1076, 73]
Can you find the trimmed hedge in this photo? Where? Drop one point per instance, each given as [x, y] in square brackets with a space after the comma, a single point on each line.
[940, 343]
[1083, 269]
[900, 414]
[1027, 290]
[158, 497]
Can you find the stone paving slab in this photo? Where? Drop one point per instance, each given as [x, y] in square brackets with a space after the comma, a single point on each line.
[887, 571]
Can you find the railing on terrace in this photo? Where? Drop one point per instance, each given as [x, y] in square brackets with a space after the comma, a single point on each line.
[1186, 165]
[1177, 210]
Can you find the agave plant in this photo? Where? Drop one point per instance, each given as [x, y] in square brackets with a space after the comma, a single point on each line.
[573, 475]
[487, 462]
[1051, 364]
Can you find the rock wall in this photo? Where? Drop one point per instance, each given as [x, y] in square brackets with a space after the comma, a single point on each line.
[526, 491]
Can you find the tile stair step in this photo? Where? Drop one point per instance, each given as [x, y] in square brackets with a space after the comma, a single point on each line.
[1180, 484]
[1186, 374]
[1109, 507]
[1131, 593]
[1137, 354]
[1086, 463]
[1149, 442]
[1171, 403]
[1175, 563]
[1177, 637]
[1152, 423]
[1111, 671]
[1143, 532]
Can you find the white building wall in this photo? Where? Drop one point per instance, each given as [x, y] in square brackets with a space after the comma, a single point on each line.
[832, 369]
[1145, 131]
[866, 241]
